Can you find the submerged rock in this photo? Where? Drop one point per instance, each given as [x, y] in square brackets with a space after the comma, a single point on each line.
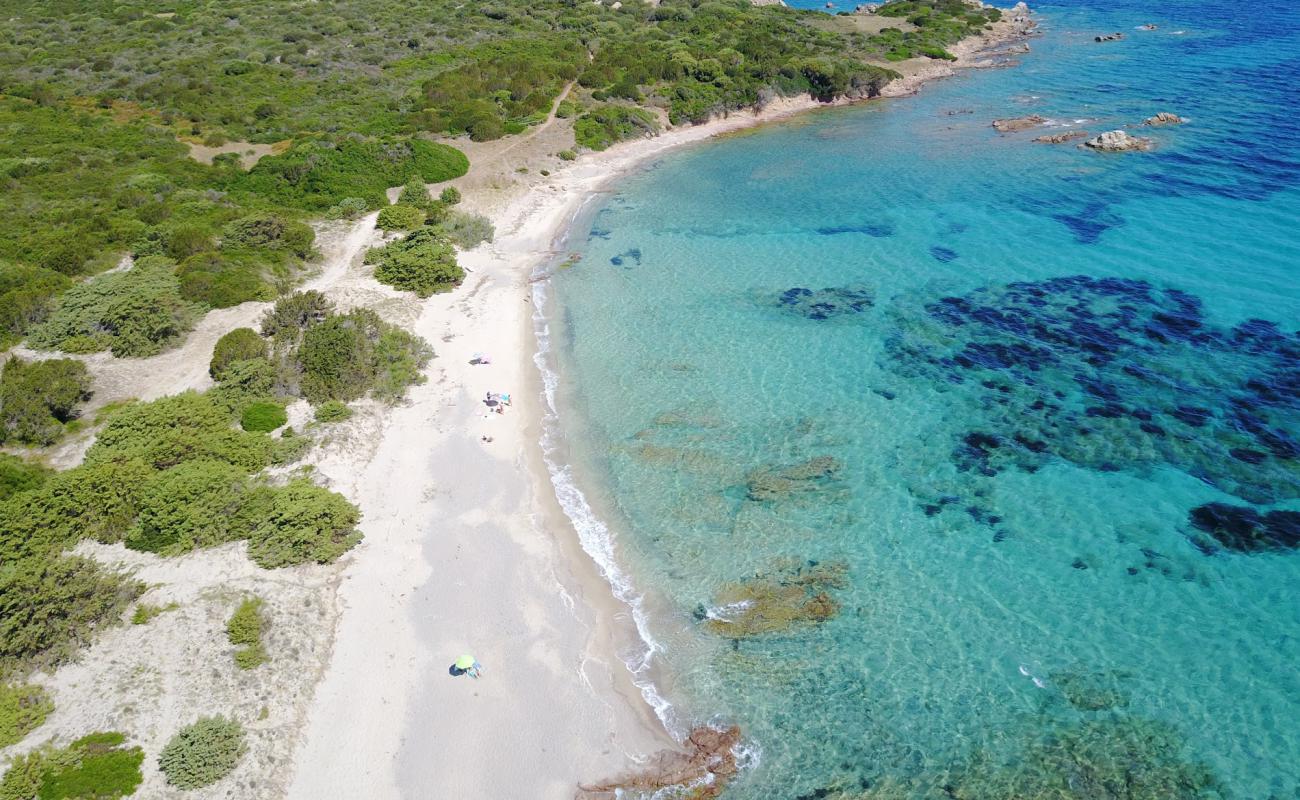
[1164, 118]
[1090, 691]
[702, 770]
[1119, 142]
[1014, 124]
[786, 598]
[1246, 530]
[1109, 37]
[1061, 138]
[767, 483]
[833, 301]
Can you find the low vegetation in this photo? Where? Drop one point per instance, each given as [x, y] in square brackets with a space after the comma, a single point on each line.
[38, 398]
[97, 766]
[467, 230]
[608, 124]
[262, 416]
[348, 356]
[27, 295]
[244, 630]
[400, 217]
[332, 411]
[203, 753]
[18, 475]
[23, 709]
[146, 612]
[136, 312]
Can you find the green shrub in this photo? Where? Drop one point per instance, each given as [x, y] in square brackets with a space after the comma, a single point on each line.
[567, 155]
[97, 501]
[244, 630]
[605, 125]
[38, 398]
[348, 208]
[226, 279]
[241, 344]
[193, 505]
[400, 218]
[350, 355]
[176, 429]
[95, 766]
[449, 196]
[263, 417]
[422, 262]
[331, 411]
[269, 231]
[22, 710]
[138, 312]
[27, 295]
[415, 193]
[203, 753]
[50, 607]
[305, 523]
[245, 382]
[294, 314]
[145, 612]
[17, 475]
[467, 230]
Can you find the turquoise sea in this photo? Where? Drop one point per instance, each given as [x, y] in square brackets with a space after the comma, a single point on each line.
[952, 465]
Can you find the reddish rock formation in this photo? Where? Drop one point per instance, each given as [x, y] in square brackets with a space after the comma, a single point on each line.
[1018, 123]
[703, 769]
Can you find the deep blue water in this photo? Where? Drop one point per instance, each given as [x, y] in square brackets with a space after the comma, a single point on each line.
[1012, 430]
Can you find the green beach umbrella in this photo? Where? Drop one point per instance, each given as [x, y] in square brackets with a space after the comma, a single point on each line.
[464, 662]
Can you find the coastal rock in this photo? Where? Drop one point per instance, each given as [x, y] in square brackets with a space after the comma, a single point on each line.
[1011, 125]
[1118, 142]
[1109, 37]
[767, 483]
[1061, 138]
[1150, 26]
[833, 301]
[788, 597]
[1164, 118]
[702, 770]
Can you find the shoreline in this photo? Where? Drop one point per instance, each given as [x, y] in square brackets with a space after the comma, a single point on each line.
[469, 549]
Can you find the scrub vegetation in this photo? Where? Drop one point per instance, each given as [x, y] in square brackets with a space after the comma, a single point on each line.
[203, 753]
[96, 766]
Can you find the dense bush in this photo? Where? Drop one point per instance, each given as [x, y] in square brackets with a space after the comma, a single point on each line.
[241, 344]
[202, 753]
[27, 295]
[329, 411]
[399, 218]
[17, 475]
[22, 710]
[415, 193]
[351, 355]
[94, 767]
[296, 313]
[422, 262]
[605, 125]
[244, 630]
[38, 398]
[263, 417]
[319, 173]
[449, 196]
[270, 231]
[223, 280]
[466, 229]
[193, 505]
[305, 523]
[137, 312]
[176, 429]
[50, 607]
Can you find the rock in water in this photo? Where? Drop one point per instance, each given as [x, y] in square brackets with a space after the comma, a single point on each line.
[1118, 142]
[1018, 123]
[1110, 37]
[1059, 138]
[1164, 118]
[703, 768]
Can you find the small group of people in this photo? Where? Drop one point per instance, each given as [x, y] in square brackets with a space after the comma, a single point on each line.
[465, 665]
[497, 401]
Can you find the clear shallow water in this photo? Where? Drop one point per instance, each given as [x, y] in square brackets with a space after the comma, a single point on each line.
[996, 468]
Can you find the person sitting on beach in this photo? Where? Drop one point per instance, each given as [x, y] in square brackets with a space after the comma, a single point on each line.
[465, 665]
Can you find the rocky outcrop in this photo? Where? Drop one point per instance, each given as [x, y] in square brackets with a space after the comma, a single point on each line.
[1109, 37]
[1018, 123]
[1118, 142]
[791, 596]
[1164, 118]
[778, 483]
[1061, 138]
[702, 771]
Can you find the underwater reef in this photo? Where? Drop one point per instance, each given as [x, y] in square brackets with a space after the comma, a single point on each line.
[791, 596]
[1116, 375]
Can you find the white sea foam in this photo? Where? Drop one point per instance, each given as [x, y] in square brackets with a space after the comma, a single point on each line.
[594, 535]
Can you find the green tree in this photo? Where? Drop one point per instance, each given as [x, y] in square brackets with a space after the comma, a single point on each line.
[37, 398]
[423, 262]
[241, 344]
